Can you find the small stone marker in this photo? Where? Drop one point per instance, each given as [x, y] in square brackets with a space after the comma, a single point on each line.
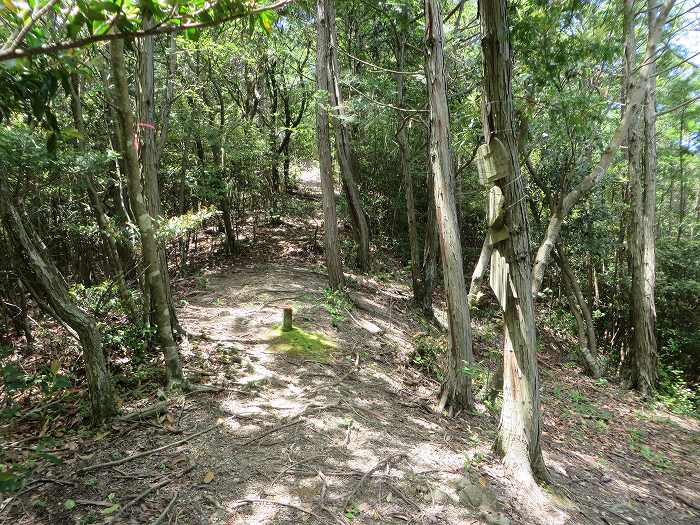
[287, 318]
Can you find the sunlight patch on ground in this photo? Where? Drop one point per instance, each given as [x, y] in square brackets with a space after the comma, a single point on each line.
[300, 343]
[430, 456]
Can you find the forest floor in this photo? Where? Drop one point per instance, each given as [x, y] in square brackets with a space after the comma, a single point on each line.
[334, 422]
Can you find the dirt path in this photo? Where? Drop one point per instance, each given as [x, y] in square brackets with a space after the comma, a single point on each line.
[330, 424]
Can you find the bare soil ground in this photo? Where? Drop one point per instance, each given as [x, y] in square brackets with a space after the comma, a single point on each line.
[333, 424]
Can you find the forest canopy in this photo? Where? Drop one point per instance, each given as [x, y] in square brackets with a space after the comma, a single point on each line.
[500, 197]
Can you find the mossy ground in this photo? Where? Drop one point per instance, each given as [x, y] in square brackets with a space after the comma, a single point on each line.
[300, 343]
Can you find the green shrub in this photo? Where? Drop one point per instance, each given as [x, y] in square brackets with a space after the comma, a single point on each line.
[426, 355]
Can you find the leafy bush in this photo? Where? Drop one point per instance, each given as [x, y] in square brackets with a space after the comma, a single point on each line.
[426, 356]
[674, 392]
[677, 307]
[337, 304]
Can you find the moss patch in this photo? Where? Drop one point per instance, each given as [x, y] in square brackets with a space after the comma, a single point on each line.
[300, 343]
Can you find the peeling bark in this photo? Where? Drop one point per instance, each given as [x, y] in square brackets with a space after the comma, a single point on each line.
[456, 392]
[518, 438]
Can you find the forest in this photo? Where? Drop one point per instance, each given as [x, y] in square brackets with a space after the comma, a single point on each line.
[349, 261]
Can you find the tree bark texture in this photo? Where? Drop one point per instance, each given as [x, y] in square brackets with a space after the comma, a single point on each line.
[639, 365]
[149, 152]
[333, 261]
[518, 438]
[431, 251]
[402, 142]
[149, 244]
[457, 390]
[41, 277]
[343, 143]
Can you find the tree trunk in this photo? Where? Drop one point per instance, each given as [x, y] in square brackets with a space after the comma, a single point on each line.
[431, 251]
[457, 390]
[584, 319]
[105, 225]
[695, 227]
[518, 438]
[634, 99]
[42, 278]
[230, 244]
[343, 143]
[682, 196]
[149, 153]
[333, 262]
[402, 141]
[639, 363]
[149, 244]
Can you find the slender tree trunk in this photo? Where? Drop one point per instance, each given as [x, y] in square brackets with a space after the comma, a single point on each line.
[343, 143]
[402, 141]
[104, 223]
[42, 278]
[230, 247]
[431, 251]
[695, 227]
[584, 320]
[519, 432]
[149, 243]
[457, 390]
[634, 100]
[150, 154]
[682, 194]
[333, 262]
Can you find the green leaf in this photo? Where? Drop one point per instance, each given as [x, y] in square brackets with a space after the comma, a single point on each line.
[100, 27]
[50, 457]
[110, 510]
[69, 504]
[267, 20]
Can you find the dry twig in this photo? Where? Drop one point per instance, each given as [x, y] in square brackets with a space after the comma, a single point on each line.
[367, 474]
[150, 489]
[146, 452]
[160, 519]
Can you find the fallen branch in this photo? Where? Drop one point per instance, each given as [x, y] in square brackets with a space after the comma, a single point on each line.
[160, 519]
[94, 503]
[152, 410]
[367, 474]
[146, 452]
[689, 503]
[146, 492]
[367, 306]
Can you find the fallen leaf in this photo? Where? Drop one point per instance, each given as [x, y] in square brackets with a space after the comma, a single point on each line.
[110, 510]
[208, 477]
